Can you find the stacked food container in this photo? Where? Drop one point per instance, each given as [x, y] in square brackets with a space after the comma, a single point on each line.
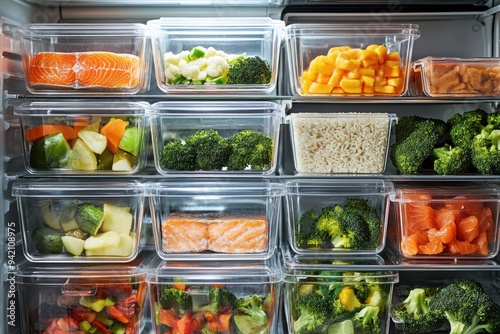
[239, 199]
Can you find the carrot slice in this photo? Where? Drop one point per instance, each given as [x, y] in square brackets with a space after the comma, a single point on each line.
[167, 317]
[114, 131]
[468, 229]
[40, 131]
[80, 123]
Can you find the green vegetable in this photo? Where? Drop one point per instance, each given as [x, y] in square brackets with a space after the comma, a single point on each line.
[343, 327]
[50, 152]
[221, 80]
[178, 156]
[253, 318]
[249, 71]
[314, 314]
[82, 157]
[47, 240]
[179, 301]
[218, 299]
[451, 160]
[132, 140]
[369, 215]
[465, 127]
[486, 151]
[367, 320]
[196, 53]
[93, 303]
[212, 150]
[105, 160]
[250, 148]
[89, 217]
[346, 228]
[306, 227]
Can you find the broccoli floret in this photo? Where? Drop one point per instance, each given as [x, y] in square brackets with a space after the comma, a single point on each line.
[314, 313]
[354, 231]
[331, 283]
[494, 119]
[406, 125]
[369, 215]
[376, 296]
[416, 314]
[486, 151]
[367, 320]
[306, 227]
[178, 156]
[205, 329]
[409, 155]
[451, 160]
[212, 150]
[464, 127]
[250, 148]
[251, 317]
[177, 300]
[249, 71]
[219, 299]
[319, 240]
[467, 308]
[329, 220]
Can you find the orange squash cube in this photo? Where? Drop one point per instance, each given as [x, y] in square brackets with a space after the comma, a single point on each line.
[351, 86]
[336, 77]
[323, 78]
[368, 80]
[319, 88]
[392, 72]
[386, 89]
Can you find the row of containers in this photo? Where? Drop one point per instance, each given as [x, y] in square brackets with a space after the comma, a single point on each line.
[198, 138]
[242, 56]
[220, 265]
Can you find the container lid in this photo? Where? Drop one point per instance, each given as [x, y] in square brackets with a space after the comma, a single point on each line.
[217, 108]
[312, 187]
[224, 188]
[80, 108]
[219, 23]
[455, 60]
[445, 193]
[75, 188]
[40, 30]
[348, 29]
[244, 272]
[340, 115]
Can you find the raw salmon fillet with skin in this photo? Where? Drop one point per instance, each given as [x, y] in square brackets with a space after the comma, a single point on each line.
[238, 234]
[52, 68]
[106, 69]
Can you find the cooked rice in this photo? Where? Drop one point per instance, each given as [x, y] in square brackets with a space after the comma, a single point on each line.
[341, 142]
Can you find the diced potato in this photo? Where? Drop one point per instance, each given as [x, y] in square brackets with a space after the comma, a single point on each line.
[102, 240]
[73, 245]
[123, 248]
[116, 219]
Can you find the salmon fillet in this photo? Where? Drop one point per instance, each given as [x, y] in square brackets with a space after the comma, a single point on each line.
[86, 69]
[217, 232]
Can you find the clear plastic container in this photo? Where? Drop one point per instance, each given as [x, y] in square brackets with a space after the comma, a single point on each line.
[252, 155]
[456, 77]
[447, 221]
[349, 60]
[341, 286]
[84, 138]
[258, 282]
[340, 143]
[252, 36]
[88, 58]
[309, 201]
[57, 297]
[74, 221]
[213, 220]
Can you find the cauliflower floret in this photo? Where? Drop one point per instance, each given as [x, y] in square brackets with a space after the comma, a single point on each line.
[171, 71]
[217, 66]
[202, 76]
[221, 54]
[193, 68]
[171, 58]
[210, 52]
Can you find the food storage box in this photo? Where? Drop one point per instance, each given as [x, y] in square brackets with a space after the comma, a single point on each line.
[456, 77]
[216, 55]
[343, 217]
[223, 297]
[68, 58]
[75, 221]
[344, 298]
[88, 298]
[447, 221]
[212, 220]
[340, 143]
[84, 138]
[210, 137]
[349, 60]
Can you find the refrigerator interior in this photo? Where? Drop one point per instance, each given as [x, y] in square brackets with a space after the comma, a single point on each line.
[457, 28]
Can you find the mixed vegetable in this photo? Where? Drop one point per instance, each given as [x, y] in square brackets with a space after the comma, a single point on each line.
[84, 229]
[208, 66]
[355, 224]
[461, 307]
[94, 143]
[208, 150]
[340, 303]
[115, 308]
[210, 309]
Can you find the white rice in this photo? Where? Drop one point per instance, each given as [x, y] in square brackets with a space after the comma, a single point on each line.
[340, 142]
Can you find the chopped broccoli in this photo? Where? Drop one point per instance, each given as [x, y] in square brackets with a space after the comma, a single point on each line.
[409, 155]
[219, 299]
[177, 300]
[178, 156]
[250, 148]
[376, 296]
[319, 240]
[354, 231]
[486, 151]
[314, 314]
[212, 150]
[367, 320]
[451, 160]
[464, 127]
[369, 215]
[332, 283]
[494, 119]
[329, 220]
[467, 308]
[415, 313]
[406, 125]
[306, 227]
[251, 317]
[249, 71]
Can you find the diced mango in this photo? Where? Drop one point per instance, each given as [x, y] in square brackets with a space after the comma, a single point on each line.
[339, 48]
[368, 90]
[381, 51]
[370, 63]
[317, 87]
[336, 77]
[309, 75]
[306, 84]
[351, 86]
[368, 55]
[352, 54]
[323, 78]
[347, 64]
[396, 82]
[385, 89]
[321, 67]
[367, 71]
[392, 63]
[372, 47]
[393, 56]
[354, 74]
[368, 80]
[338, 90]
[392, 72]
